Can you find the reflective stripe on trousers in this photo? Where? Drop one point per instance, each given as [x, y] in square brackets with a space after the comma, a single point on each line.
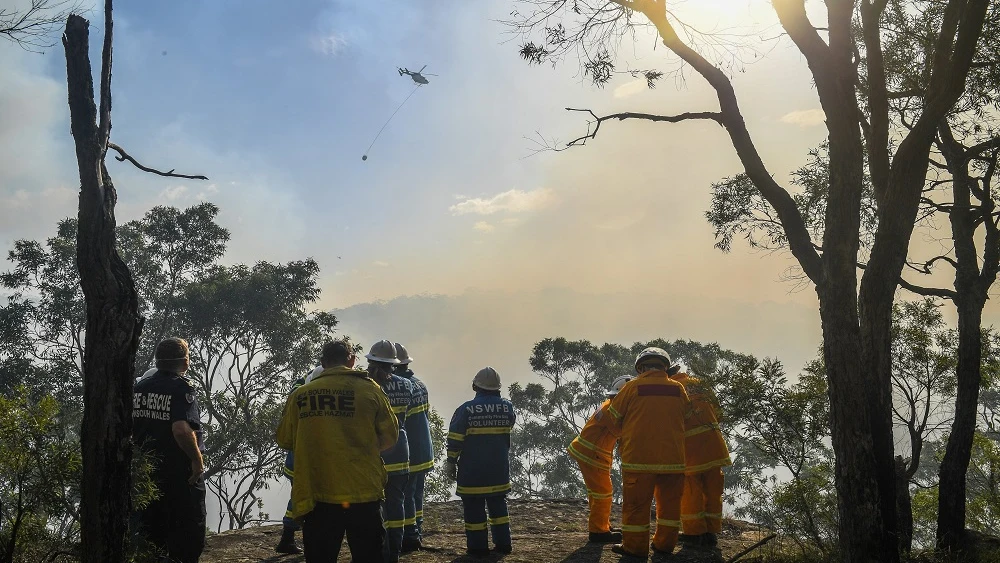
[701, 503]
[476, 522]
[413, 506]
[638, 493]
[395, 517]
[599, 493]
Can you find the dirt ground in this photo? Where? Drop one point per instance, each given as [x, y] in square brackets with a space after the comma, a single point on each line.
[543, 531]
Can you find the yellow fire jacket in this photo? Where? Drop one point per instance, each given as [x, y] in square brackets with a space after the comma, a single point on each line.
[336, 425]
[704, 445]
[596, 440]
[649, 416]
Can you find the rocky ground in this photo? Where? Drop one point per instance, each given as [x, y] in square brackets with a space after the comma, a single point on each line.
[543, 530]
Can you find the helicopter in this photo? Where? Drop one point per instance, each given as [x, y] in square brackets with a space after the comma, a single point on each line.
[416, 76]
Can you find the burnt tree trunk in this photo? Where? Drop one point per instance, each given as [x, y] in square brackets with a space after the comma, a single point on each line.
[113, 321]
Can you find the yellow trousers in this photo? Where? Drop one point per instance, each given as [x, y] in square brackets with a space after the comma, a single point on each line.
[638, 492]
[701, 504]
[599, 493]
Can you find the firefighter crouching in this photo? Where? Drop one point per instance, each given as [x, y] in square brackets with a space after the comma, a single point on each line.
[478, 450]
[336, 425]
[592, 450]
[705, 453]
[649, 416]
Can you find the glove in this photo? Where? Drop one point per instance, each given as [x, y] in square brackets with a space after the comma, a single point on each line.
[451, 470]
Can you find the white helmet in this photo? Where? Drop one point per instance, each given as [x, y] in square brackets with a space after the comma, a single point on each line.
[383, 351]
[653, 352]
[402, 355]
[617, 384]
[148, 373]
[312, 375]
[487, 379]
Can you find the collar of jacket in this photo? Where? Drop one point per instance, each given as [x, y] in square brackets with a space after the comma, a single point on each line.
[654, 373]
[407, 374]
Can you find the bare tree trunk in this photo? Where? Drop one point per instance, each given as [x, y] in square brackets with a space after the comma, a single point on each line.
[113, 321]
[904, 506]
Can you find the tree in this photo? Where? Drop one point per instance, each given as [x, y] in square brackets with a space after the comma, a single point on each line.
[855, 317]
[39, 470]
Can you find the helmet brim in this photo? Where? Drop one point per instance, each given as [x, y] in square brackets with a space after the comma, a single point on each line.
[392, 361]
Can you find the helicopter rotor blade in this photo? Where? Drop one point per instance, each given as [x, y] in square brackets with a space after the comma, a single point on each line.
[429, 74]
[421, 69]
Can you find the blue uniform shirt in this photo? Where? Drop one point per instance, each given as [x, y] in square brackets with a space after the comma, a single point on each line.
[418, 426]
[400, 393]
[479, 438]
[158, 401]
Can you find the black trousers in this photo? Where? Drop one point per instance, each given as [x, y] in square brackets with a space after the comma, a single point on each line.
[323, 532]
[175, 522]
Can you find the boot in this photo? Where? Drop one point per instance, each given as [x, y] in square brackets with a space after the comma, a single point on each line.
[410, 545]
[505, 549]
[690, 539]
[709, 539]
[620, 550]
[661, 551]
[478, 552]
[605, 537]
[287, 543]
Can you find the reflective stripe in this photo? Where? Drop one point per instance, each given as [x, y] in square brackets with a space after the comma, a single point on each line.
[592, 446]
[395, 523]
[417, 409]
[288, 514]
[703, 428]
[456, 436]
[488, 430]
[475, 527]
[419, 514]
[584, 459]
[635, 528]
[399, 409]
[714, 515]
[422, 466]
[592, 494]
[411, 521]
[288, 472]
[614, 412]
[705, 466]
[397, 466]
[500, 520]
[483, 490]
[668, 523]
[652, 467]
[698, 516]
[453, 455]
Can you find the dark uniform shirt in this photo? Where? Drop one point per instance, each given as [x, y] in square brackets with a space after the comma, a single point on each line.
[479, 438]
[159, 401]
[400, 394]
[418, 426]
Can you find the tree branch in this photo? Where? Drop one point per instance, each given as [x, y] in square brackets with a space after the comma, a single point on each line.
[123, 156]
[714, 116]
[920, 290]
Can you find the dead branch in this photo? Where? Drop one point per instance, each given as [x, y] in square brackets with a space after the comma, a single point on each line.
[34, 28]
[123, 156]
[596, 123]
[740, 555]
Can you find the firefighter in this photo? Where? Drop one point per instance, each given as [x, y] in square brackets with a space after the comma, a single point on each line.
[418, 434]
[336, 425]
[705, 454]
[396, 459]
[478, 459]
[648, 414]
[166, 424]
[592, 450]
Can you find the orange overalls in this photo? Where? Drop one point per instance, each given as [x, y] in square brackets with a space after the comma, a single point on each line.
[592, 451]
[649, 416]
[706, 454]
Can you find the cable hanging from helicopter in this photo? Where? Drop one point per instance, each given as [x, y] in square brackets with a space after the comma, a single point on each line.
[419, 79]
